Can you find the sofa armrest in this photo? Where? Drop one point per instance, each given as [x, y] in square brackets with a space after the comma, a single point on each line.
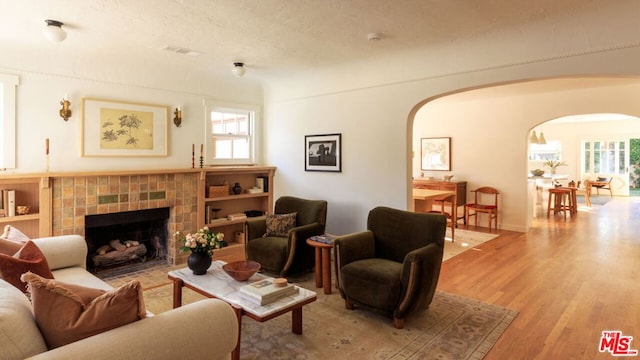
[420, 273]
[206, 329]
[64, 251]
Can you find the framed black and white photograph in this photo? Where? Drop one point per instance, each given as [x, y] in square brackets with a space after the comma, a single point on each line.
[323, 152]
[436, 153]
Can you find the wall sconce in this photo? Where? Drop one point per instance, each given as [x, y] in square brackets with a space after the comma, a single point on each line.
[177, 117]
[65, 112]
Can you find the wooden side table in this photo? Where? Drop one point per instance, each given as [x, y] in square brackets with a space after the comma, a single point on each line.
[323, 261]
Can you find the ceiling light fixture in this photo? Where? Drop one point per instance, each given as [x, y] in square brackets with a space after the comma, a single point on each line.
[238, 69]
[534, 138]
[541, 139]
[374, 36]
[54, 31]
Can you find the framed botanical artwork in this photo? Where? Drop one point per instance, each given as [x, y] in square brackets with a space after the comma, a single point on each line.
[323, 152]
[115, 128]
[436, 153]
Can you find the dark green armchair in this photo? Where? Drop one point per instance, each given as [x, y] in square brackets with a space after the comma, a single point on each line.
[287, 254]
[393, 267]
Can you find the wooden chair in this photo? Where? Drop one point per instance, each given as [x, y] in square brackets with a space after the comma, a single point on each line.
[485, 201]
[586, 191]
[604, 184]
[447, 206]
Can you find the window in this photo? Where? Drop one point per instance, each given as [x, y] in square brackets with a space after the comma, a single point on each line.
[603, 157]
[8, 85]
[231, 131]
[552, 150]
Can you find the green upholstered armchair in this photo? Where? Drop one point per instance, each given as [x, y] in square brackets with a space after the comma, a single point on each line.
[290, 254]
[393, 267]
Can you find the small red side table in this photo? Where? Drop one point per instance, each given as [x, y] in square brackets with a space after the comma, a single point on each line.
[323, 261]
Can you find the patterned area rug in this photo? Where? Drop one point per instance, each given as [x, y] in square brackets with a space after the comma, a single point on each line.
[453, 327]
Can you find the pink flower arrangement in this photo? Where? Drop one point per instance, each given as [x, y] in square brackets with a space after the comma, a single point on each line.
[203, 240]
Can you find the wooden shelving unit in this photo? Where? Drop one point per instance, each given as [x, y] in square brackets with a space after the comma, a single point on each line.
[35, 192]
[233, 204]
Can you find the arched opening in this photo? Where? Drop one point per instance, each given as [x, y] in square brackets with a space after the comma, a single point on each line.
[490, 128]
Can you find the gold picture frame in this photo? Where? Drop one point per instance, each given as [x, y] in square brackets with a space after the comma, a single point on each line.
[118, 128]
[435, 153]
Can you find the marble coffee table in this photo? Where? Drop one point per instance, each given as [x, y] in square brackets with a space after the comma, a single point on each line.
[217, 284]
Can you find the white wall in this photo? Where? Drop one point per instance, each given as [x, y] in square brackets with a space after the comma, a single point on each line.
[38, 98]
[377, 126]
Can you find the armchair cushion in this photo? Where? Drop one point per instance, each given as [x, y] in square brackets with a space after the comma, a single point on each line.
[280, 224]
[373, 276]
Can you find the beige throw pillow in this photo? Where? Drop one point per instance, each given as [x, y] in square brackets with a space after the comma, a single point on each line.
[66, 312]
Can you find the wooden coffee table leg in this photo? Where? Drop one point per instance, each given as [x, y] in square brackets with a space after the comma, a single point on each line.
[177, 292]
[296, 321]
[319, 266]
[326, 269]
[235, 354]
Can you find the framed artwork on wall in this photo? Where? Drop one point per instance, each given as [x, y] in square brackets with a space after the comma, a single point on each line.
[323, 152]
[114, 128]
[436, 153]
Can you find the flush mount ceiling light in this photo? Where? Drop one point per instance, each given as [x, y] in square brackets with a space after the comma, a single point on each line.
[374, 36]
[238, 69]
[54, 31]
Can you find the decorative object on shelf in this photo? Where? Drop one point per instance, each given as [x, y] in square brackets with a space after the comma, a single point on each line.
[177, 117]
[114, 128]
[193, 156]
[201, 155]
[201, 244]
[241, 270]
[448, 177]
[436, 153]
[537, 172]
[219, 190]
[22, 209]
[238, 69]
[65, 112]
[54, 31]
[322, 153]
[237, 189]
[554, 164]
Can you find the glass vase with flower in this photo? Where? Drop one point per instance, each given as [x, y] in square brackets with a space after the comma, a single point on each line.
[201, 245]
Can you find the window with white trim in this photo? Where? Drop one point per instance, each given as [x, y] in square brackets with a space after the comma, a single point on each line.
[8, 86]
[231, 133]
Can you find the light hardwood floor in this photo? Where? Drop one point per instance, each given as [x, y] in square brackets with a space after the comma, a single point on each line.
[569, 281]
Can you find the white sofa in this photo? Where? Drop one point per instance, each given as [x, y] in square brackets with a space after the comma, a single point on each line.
[207, 329]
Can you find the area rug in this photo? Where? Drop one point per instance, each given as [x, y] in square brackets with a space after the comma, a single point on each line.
[464, 240]
[453, 327]
[595, 199]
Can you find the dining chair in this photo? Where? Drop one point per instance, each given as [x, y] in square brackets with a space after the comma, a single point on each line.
[485, 201]
[604, 184]
[446, 205]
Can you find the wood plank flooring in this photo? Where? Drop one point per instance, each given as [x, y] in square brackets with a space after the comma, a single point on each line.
[570, 280]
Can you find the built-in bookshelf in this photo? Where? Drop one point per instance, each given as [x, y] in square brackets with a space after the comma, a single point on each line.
[222, 208]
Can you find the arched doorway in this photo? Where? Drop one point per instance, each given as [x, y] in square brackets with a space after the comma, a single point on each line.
[489, 129]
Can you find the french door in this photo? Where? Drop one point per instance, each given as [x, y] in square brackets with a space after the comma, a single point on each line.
[607, 158]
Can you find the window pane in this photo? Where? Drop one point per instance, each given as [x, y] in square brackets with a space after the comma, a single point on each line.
[223, 148]
[241, 148]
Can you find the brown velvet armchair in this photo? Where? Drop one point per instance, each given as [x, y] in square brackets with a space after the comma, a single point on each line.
[393, 267]
[290, 254]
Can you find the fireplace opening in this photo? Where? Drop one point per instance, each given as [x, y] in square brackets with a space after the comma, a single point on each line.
[125, 238]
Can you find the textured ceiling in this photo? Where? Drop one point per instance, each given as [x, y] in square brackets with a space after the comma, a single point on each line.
[271, 36]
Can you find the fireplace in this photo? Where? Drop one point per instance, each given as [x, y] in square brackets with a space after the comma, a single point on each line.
[123, 238]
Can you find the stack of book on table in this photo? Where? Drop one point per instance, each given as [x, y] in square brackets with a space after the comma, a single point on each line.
[264, 291]
[325, 238]
[237, 216]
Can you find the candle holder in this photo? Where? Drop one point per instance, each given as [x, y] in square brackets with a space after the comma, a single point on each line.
[201, 161]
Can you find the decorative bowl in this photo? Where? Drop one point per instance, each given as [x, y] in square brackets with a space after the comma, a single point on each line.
[22, 209]
[241, 270]
[537, 172]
